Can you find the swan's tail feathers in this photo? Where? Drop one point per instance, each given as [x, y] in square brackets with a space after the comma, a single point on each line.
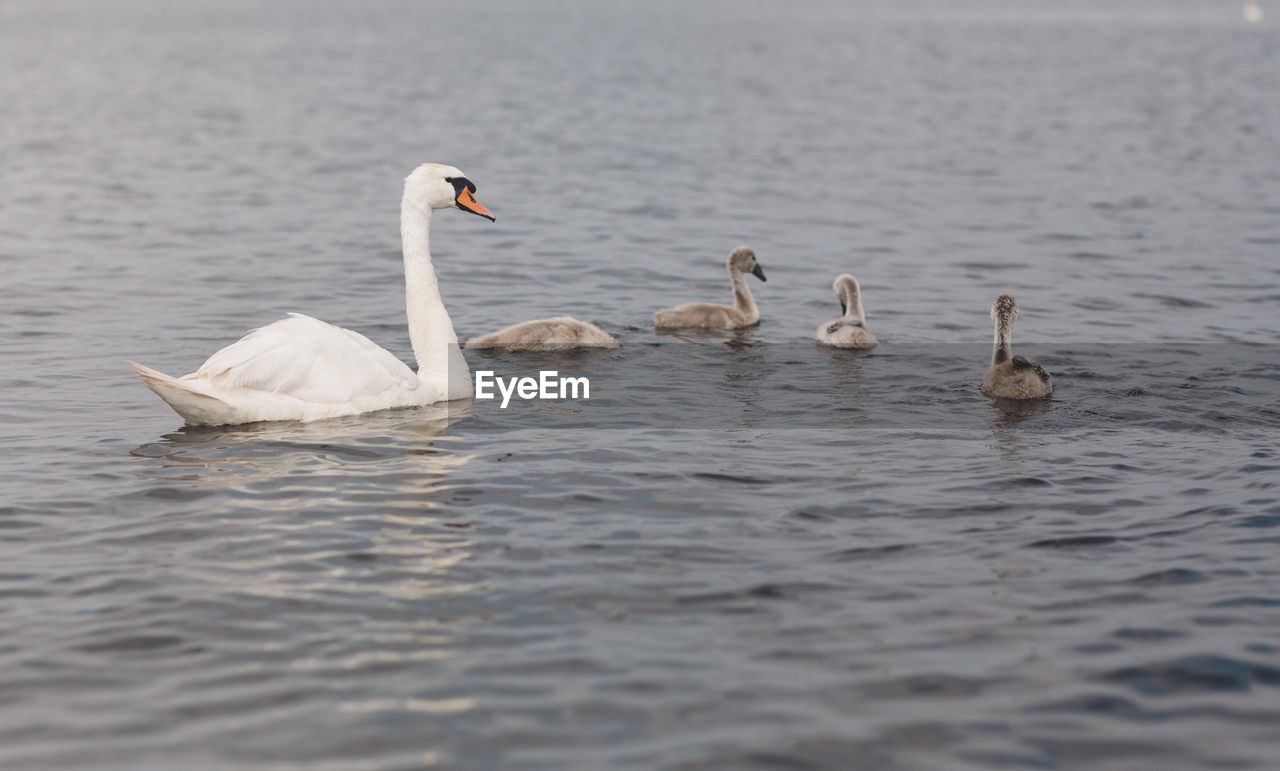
[186, 399]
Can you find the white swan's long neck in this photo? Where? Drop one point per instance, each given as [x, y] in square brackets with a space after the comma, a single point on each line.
[1000, 351]
[742, 299]
[435, 345]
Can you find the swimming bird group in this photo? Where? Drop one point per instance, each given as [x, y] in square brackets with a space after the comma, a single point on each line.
[301, 368]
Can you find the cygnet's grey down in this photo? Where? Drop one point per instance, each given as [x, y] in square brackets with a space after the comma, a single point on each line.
[743, 312]
[561, 333]
[850, 330]
[1012, 377]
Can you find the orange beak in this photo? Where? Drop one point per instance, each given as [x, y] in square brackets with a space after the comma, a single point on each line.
[467, 202]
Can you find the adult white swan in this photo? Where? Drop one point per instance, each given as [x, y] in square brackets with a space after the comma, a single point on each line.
[300, 368]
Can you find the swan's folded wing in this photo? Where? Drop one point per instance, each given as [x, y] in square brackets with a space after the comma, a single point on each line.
[309, 360]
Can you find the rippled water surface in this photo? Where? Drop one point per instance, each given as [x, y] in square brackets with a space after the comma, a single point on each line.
[744, 551]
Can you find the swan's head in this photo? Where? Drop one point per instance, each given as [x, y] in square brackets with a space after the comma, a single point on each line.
[437, 186]
[1004, 310]
[847, 290]
[744, 259]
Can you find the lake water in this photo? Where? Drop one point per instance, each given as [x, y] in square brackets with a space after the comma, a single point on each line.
[744, 552]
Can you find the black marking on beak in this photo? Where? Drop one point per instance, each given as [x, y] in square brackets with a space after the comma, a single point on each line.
[460, 184]
[758, 272]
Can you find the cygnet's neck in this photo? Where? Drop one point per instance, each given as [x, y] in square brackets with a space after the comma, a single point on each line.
[853, 305]
[742, 299]
[435, 345]
[1000, 351]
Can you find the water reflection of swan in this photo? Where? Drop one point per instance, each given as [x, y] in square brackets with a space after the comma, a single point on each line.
[282, 531]
[733, 339]
[380, 479]
[846, 382]
[1010, 437]
[1252, 12]
[1008, 413]
[238, 456]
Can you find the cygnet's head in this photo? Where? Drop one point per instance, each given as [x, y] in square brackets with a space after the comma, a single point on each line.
[847, 289]
[1005, 309]
[744, 259]
[437, 186]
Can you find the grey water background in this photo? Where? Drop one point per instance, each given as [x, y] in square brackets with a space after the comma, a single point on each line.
[745, 551]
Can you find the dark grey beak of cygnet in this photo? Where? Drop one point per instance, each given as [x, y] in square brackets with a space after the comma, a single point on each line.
[843, 308]
[758, 272]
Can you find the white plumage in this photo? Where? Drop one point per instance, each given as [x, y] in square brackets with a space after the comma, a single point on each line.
[301, 368]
